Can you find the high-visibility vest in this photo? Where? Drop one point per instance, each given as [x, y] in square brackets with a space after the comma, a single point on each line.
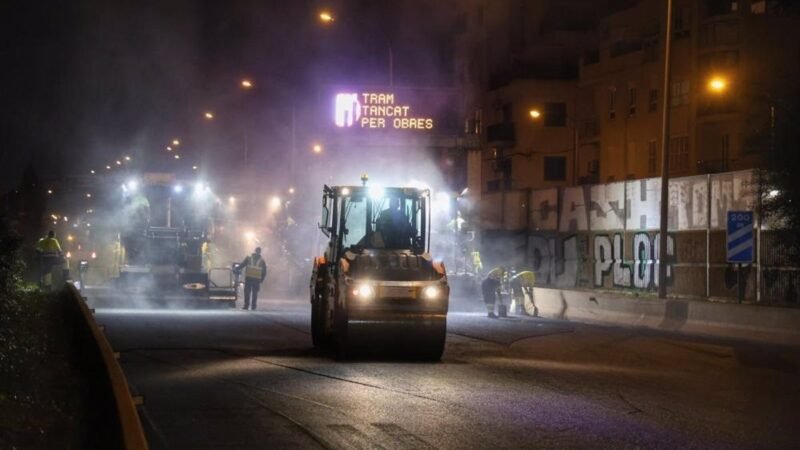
[525, 278]
[476, 260]
[48, 245]
[253, 269]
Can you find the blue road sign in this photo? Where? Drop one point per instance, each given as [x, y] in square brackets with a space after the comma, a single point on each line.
[740, 237]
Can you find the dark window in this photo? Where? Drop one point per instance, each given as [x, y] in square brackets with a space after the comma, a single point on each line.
[652, 156]
[506, 112]
[611, 112]
[555, 168]
[652, 101]
[680, 22]
[555, 114]
[631, 101]
[679, 153]
[679, 94]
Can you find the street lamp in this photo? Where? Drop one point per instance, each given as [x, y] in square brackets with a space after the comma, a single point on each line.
[717, 85]
[326, 17]
[246, 84]
[535, 114]
[317, 148]
[176, 142]
[208, 115]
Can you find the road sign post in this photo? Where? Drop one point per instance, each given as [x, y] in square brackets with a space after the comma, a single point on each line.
[740, 244]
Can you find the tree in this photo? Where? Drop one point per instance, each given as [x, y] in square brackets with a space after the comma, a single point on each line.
[780, 176]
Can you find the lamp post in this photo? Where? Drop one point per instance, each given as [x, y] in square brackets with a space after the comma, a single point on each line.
[665, 108]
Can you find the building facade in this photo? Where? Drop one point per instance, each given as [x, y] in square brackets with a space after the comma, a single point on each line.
[568, 98]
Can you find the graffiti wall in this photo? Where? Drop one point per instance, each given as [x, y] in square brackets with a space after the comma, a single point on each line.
[606, 236]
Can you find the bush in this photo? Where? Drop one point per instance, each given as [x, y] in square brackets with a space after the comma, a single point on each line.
[12, 266]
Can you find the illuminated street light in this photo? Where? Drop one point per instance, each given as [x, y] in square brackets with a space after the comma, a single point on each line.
[194, 167]
[208, 115]
[275, 202]
[247, 84]
[70, 238]
[717, 85]
[169, 149]
[326, 17]
[108, 167]
[317, 148]
[49, 191]
[291, 190]
[535, 114]
[176, 142]
[773, 193]
[177, 156]
[127, 158]
[249, 235]
[119, 163]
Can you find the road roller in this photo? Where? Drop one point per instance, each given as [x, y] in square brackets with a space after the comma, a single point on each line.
[376, 289]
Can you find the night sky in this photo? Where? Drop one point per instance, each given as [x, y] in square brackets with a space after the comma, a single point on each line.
[87, 81]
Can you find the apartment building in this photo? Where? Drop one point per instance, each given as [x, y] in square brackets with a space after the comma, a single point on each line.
[567, 93]
[728, 59]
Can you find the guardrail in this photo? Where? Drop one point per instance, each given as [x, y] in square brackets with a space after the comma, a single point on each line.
[130, 434]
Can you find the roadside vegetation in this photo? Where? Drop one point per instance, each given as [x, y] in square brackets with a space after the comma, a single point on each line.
[42, 389]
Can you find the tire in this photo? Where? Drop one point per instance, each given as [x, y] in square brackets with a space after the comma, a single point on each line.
[344, 349]
[318, 337]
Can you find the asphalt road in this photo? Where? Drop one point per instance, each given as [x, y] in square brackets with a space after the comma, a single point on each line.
[236, 379]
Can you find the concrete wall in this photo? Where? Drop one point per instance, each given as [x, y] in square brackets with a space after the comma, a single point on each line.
[606, 236]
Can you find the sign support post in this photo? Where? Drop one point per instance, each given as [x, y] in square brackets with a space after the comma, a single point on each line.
[740, 244]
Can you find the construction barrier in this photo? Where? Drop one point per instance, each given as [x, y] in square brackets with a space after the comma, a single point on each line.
[768, 324]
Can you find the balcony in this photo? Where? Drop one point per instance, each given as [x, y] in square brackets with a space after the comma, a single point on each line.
[501, 134]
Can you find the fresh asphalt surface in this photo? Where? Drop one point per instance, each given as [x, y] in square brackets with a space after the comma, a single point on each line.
[251, 379]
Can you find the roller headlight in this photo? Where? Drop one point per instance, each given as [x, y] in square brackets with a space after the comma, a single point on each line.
[364, 291]
[431, 292]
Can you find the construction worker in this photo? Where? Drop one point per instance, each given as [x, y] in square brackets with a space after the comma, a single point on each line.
[522, 285]
[477, 265]
[490, 287]
[255, 270]
[49, 251]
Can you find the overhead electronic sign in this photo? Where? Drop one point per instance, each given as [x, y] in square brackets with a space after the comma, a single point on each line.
[380, 110]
